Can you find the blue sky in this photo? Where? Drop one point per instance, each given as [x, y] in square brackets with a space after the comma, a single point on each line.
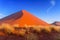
[47, 10]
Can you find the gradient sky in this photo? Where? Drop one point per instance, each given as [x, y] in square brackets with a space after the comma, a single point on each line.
[47, 10]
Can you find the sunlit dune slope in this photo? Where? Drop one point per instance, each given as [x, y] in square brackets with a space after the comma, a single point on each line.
[23, 17]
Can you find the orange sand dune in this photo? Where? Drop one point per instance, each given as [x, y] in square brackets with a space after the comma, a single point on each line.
[23, 17]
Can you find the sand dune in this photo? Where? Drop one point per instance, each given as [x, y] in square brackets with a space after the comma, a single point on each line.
[23, 17]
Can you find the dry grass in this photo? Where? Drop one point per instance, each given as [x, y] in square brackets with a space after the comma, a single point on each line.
[32, 32]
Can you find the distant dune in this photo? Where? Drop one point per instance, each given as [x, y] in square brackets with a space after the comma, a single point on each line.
[23, 17]
[56, 23]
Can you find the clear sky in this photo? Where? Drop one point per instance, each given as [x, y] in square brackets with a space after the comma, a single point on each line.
[47, 10]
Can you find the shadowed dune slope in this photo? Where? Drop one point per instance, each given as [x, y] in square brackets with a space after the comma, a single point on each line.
[23, 17]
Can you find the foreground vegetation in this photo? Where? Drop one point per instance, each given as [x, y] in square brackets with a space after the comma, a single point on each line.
[14, 32]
